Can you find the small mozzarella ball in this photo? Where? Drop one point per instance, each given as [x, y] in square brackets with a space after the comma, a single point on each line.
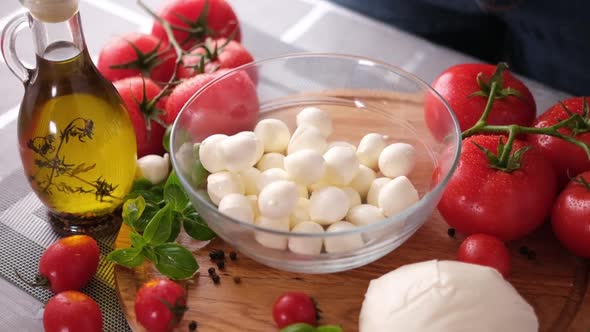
[302, 191]
[364, 214]
[362, 181]
[249, 178]
[300, 213]
[342, 243]
[328, 205]
[373, 194]
[208, 153]
[315, 117]
[238, 152]
[397, 159]
[154, 168]
[278, 199]
[305, 166]
[271, 240]
[271, 160]
[274, 134]
[370, 148]
[354, 198]
[221, 184]
[397, 195]
[253, 199]
[307, 138]
[259, 143]
[341, 143]
[269, 176]
[238, 207]
[305, 245]
[341, 165]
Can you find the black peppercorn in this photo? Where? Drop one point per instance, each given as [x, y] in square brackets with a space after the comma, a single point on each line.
[237, 280]
[524, 250]
[451, 232]
[211, 270]
[233, 255]
[221, 265]
[192, 325]
[215, 278]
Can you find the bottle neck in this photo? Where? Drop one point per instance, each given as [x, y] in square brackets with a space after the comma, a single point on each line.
[58, 41]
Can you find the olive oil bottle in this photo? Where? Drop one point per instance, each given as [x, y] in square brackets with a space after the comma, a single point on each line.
[76, 140]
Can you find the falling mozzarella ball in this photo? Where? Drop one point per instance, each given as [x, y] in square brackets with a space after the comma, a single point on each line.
[305, 166]
[238, 207]
[270, 160]
[373, 194]
[342, 165]
[253, 199]
[397, 159]
[363, 180]
[307, 138]
[239, 152]
[208, 153]
[370, 148]
[269, 176]
[341, 143]
[274, 135]
[397, 195]
[221, 184]
[269, 240]
[364, 214]
[328, 205]
[278, 199]
[342, 243]
[249, 178]
[300, 212]
[315, 117]
[306, 245]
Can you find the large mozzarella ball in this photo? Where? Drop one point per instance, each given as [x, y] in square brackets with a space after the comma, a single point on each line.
[238, 207]
[274, 135]
[437, 296]
[249, 178]
[370, 148]
[342, 165]
[397, 159]
[376, 185]
[328, 205]
[271, 160]
[306, 245]
[363, 180]
[268, 240]
[397, 195]
[305, 166]
[364, 214]
[300, 212]
[239, 152]
[269, 176]
[315, 117]
[307, 137]
[354, 198]
[342, 243]
[221, 184]
[208, 153]
[278, 199]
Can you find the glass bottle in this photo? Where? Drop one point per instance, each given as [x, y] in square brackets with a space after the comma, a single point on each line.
[76, 140]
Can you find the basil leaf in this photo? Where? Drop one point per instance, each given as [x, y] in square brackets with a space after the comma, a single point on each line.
[175, 227]
[329, 328]
[132, 210]
[196, 227]
[148, 252]
[299, 327]
[150, 192]
[166, 138]
[128, 257]
[175, 196]
[137, 241]
[159, 228]
[198, 172]
[175, 261]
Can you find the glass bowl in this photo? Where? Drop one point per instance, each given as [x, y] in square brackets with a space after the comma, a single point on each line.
[362, 96]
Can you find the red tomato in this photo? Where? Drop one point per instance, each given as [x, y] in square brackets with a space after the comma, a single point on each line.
[149, 141]
[457, 83]
[486, 250]
[69, 263]
[571, 216]
[294, 307]
[160, 305]
[565, 157]
[221, 21]
[232, 55]
[120, 50]
[72, 311]
[508, 205]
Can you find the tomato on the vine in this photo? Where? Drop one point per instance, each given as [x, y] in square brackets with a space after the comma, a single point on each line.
[487, 250]
[294, 307]
[218, 54]
[72, 311]
[160, 304]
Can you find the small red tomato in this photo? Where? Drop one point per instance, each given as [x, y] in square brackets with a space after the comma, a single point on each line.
[486, 250]
[228, 55]
[69, 263]
[72, 311]
[160, 304]
[294, 307]
[571, 216]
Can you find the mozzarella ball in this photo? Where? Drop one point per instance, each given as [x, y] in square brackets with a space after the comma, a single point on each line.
[354, 198]
[278, 199]
[341, 143]
[249, 178]
[434, 296]
[364, 214]
[271, 160]
[253, 199]
[154, 168]
[307, 138]
[272, 241]
[373, 194]
[238, 207]
[397, 195]
[341, 165]
[305, 166]
[259, 144]
[221, 184]
[300, 212]
[269, 176]
[274, 134]
[344, 242]
[306, 245]
[302, 190]
[328, 205]
[315, 117]
[370, 148]
[397, 159]
[208, 153]
[239, 152]
[363, 180]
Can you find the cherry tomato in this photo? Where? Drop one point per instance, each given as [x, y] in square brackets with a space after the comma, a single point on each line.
[229, 54]
[294, 307]
[486, 250]
[160, 304]
[571, 216]
[72, 311]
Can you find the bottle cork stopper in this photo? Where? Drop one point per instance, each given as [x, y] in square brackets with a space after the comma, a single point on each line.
[52, 11]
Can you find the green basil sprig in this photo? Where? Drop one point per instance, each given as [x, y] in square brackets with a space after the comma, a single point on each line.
[302, 327]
